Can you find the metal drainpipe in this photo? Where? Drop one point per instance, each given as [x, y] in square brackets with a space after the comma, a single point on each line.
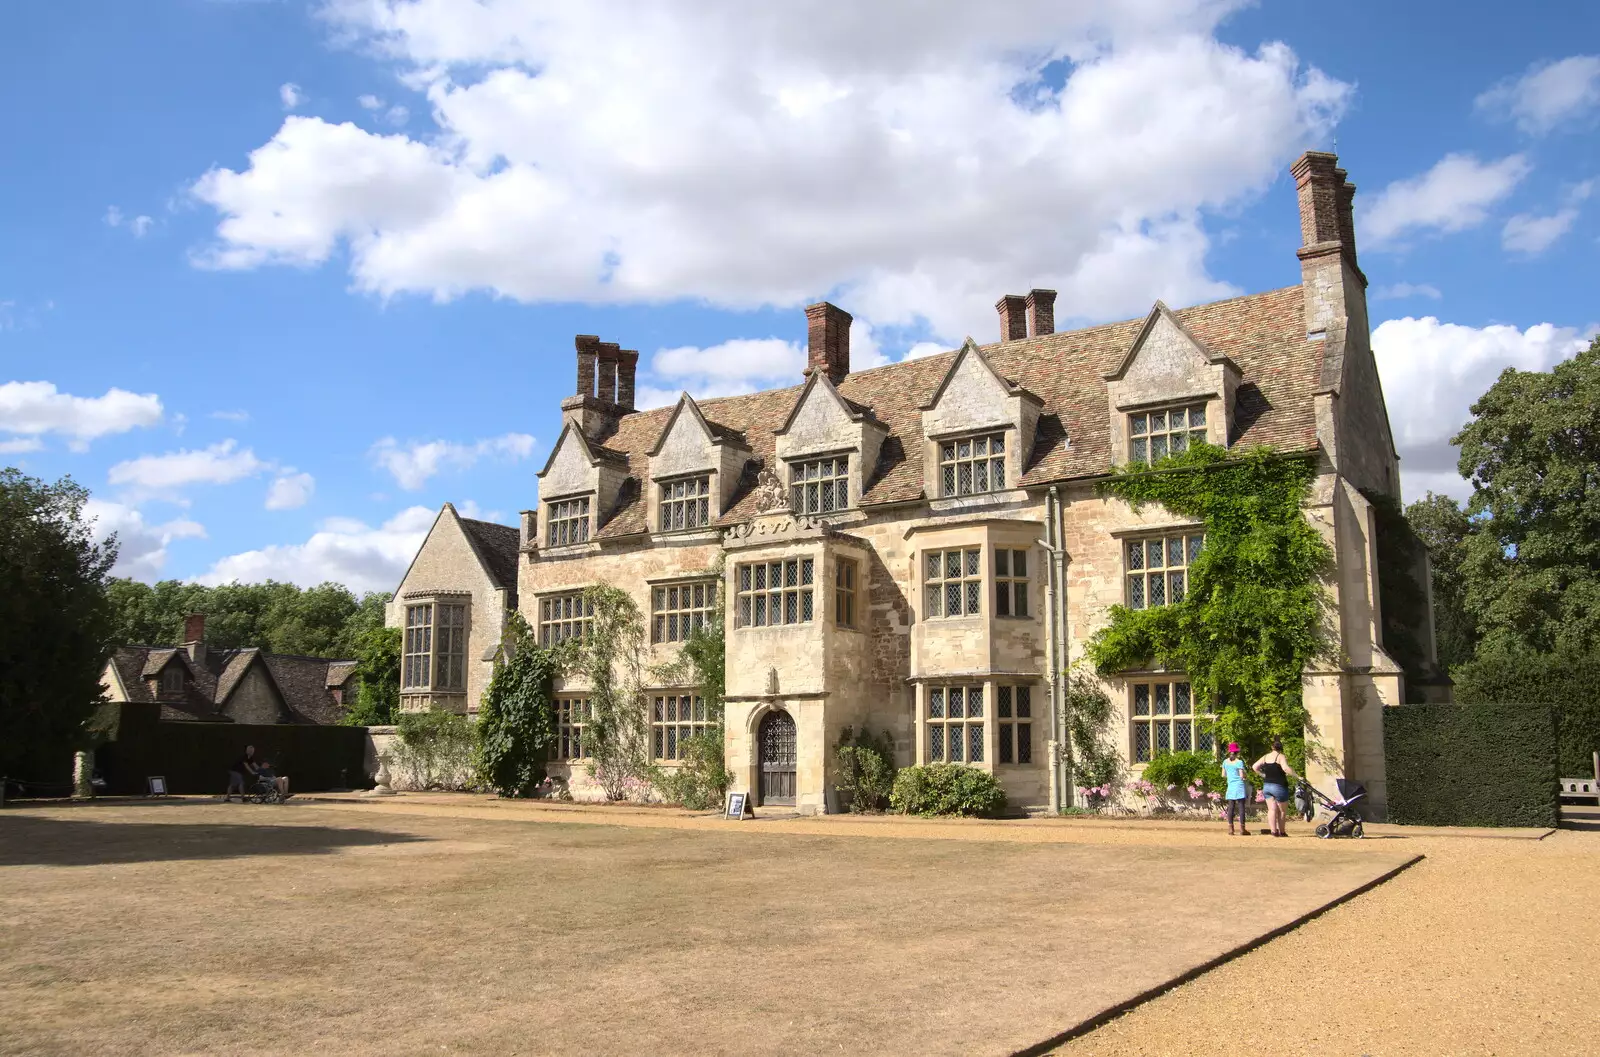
[1052, 585]
[1058, 706]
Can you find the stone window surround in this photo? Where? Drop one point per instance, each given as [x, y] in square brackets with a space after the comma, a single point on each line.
[991, 682]
[799, 596]
[932, 453]
[551, 594]
[710, 579]
[1218, 418]
[1125, 540]
[847, 593]
[568, 729]
[543, 521]
[852, 477]
[713, 508]
[436, 599]
[670, 701]
[987, 534]
[1200, 741]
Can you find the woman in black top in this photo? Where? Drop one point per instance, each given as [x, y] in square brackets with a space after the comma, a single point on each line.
[1274, 770]
[237, 772]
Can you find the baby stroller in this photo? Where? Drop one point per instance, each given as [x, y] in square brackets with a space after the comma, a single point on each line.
[1346, 820]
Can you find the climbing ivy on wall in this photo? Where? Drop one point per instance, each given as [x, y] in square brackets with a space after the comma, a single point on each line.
[1256, 611]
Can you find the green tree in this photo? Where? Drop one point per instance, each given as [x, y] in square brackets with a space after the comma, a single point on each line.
[55, 623]
[1440, 523]
[1532, 452]
[516, 720]
[378, 671]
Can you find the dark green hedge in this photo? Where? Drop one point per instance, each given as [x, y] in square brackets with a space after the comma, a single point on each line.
[194, 757]
[1471, 765]
[1565, 681]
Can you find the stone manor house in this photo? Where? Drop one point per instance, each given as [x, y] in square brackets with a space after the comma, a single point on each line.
[918, 547]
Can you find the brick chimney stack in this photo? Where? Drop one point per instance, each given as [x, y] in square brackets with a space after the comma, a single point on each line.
[1041, 312]
[828, 341]
[627, 368]
[1013, 309]
[1335, 285]
[588, 356]
[194, 636]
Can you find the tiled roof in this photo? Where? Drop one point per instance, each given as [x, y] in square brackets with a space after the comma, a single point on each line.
[1264, 334]
[498, 546]
[306, 683]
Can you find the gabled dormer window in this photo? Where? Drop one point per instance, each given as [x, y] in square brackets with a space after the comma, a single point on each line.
[568, 522]
[1154, 435]
[686, 504]
[972, 465]
[172, 679]
[820, 486]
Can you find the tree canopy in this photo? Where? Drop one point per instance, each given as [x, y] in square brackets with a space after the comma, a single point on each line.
[322, 621]
[55, 623]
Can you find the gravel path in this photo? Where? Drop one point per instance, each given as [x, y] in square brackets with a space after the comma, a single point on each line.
[1485, 947]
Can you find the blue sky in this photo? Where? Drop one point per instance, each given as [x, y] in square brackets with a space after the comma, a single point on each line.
[278, 278]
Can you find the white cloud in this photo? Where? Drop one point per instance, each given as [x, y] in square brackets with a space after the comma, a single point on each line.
[20, 446]
[1531, 235]
[1547, 95]
[412, 463]
[1432, 374]
[163, 474]
[139, 225]
[290, 95]
[1452, 196]
[909, 161]
[925, 348]
[370, 102]
[1398, 291]
[343, 550]
[231, 416]
[141, 547]
[470, 509]
[34, 408]
[290, 490]
[397, 115]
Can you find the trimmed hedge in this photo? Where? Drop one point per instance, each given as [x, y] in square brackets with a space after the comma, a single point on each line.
[946, 789]
[1471, 765]
[194, 757]
[1566, 681]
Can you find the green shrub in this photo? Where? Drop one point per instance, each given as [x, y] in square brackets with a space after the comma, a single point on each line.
[516, 720]
[946, 789]
[435, 751]
[1566, 681]
[701, 779]
[866, 769]
[1471, 765]
[1182, 768]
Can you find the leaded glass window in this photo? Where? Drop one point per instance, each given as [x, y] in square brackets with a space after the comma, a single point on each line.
[678, 609]
[674, 718]
[417, 652]
[954, 721]
[450, 672]
[844, 593]
[1013, 713]
[1165, 717]
[686, 504]
[1010, 583]
[563, 617]
[820, 486]
[572, 714]
[952, 582]
[569, 522]
[972, 465]
[774, 593]
[1158, 568]
[1153, 435]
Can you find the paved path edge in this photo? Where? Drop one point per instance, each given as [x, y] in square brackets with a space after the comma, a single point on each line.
[1112, 1012]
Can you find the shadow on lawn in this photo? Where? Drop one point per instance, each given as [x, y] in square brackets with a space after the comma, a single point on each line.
[31, 841]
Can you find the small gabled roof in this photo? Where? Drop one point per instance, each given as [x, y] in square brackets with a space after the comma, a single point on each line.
[1157, 313]
[970, 348]
[857, 412]
[496, 546]
[714, 433]
[595, 453]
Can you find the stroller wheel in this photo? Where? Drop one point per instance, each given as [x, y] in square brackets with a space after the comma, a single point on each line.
[1322, 830]
[1355, 831]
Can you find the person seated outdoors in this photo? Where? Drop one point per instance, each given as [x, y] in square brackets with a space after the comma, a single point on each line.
[282, 784]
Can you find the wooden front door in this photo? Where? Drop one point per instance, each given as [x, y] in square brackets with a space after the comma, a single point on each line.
[776, 738]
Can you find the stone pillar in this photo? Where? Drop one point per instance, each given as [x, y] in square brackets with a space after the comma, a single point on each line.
[83, 776]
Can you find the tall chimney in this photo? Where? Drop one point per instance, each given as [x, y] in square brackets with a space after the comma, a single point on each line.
[1347, 217]
[606, 373]
[588, 353]
[194, 636]
[828, 340]
[1041, 312]
[1317, 178]
[1013, 310]
[627, 367]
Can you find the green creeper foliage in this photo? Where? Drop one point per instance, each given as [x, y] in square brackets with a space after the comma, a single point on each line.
[946, 789]
[612, 658]
[1256, 610]
[1095, 760]
[1532, 452]
[1402, 595]
[1471, 765]
[516, 720]
[55, 624]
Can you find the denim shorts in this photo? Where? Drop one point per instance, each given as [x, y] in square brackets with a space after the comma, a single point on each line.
[1277, 792]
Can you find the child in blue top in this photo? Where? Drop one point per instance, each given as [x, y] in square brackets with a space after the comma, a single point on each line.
[1238, 794]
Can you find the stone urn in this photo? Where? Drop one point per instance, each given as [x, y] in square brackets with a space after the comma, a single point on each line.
[382, 778]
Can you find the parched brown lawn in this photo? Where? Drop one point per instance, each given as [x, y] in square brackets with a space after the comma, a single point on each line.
[197, 927]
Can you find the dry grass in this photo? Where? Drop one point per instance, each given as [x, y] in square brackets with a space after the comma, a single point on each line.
[227, 929]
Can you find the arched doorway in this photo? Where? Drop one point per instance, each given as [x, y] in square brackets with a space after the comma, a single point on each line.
[775, 740]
